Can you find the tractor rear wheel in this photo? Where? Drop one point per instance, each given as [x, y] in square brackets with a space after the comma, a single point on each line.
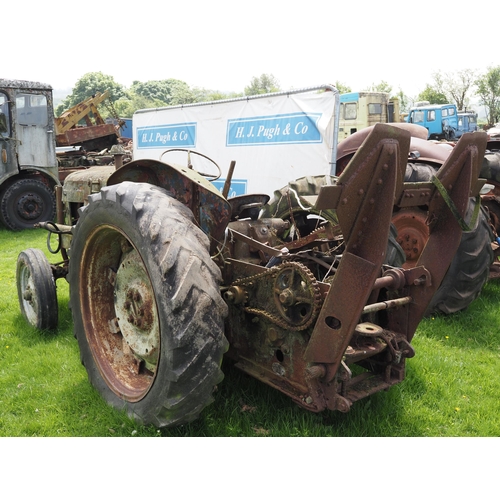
[146, 304]
[469, 269]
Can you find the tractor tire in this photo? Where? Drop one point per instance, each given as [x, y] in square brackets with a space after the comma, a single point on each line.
[25, 203]
[36, 289]
[146, 305]
[469, 269]
[285, 204]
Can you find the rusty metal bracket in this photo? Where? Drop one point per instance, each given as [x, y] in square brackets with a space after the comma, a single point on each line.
[458, 175]
[415, 194]
[368, 188]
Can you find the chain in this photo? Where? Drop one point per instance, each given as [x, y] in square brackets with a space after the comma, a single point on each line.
[272, 274]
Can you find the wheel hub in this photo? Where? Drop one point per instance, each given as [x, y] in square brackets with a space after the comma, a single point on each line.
[30, 206]
[29, 298]
[413, 233]
[135, 309]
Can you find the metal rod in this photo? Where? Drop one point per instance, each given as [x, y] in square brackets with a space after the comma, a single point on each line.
[385, 282]
[227, 184]
[59, 205]
[389, 304]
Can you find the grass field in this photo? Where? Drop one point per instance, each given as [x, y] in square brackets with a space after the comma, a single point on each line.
[451, 388]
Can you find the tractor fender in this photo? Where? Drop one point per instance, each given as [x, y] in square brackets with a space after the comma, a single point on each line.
[347, 147]
[422, 150]
[352, 143]
[210, 209]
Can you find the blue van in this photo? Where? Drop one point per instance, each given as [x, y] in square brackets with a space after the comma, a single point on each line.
[467, 122]
[440, 120]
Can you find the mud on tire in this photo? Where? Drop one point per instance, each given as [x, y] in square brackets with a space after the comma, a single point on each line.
[146, 304]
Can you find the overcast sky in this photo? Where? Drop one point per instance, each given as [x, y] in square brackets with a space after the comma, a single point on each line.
[221, 45]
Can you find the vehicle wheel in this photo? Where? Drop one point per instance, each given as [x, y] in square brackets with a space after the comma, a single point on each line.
[469, 268]
[286, 204]
[25, 203]
[36, 289]
[146, 305]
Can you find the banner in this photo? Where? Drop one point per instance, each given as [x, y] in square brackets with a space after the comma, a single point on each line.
[273, 140]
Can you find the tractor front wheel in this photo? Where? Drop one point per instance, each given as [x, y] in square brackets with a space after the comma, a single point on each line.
[36, 289]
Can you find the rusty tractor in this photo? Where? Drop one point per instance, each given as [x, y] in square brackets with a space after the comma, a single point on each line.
[474, 261]
[167, 276]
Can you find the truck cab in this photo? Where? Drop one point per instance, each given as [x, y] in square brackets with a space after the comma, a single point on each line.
[467, 122]
[28, 163]
[359, 110]
[440, 120]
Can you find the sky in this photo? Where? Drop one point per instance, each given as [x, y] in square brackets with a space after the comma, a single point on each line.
[222, 45]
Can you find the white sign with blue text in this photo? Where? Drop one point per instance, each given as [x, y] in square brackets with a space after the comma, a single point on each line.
[273, 139]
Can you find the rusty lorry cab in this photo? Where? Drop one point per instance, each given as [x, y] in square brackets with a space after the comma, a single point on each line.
[28, 165]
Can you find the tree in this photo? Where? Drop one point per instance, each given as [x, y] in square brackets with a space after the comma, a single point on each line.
[262, 85]
[87, 86]
[170, 92]
[127, 106]
[203, 95]
[404, 101]
[460, 86]
[488, 89]
[433, 95]
[383, 86]
[343, 89]
[455, 86]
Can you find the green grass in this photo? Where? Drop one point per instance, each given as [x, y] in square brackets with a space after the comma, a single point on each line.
[451, 388]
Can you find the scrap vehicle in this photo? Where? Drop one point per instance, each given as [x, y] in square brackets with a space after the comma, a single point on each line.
[31, 166]
[467, 122]
[440, 120]
[28, 170]
[359, 110]
[96, 134]
[476, 258]
[166, 274]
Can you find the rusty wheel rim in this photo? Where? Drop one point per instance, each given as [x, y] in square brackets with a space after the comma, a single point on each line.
[120, 313]
[28, 295]
[413, 233]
